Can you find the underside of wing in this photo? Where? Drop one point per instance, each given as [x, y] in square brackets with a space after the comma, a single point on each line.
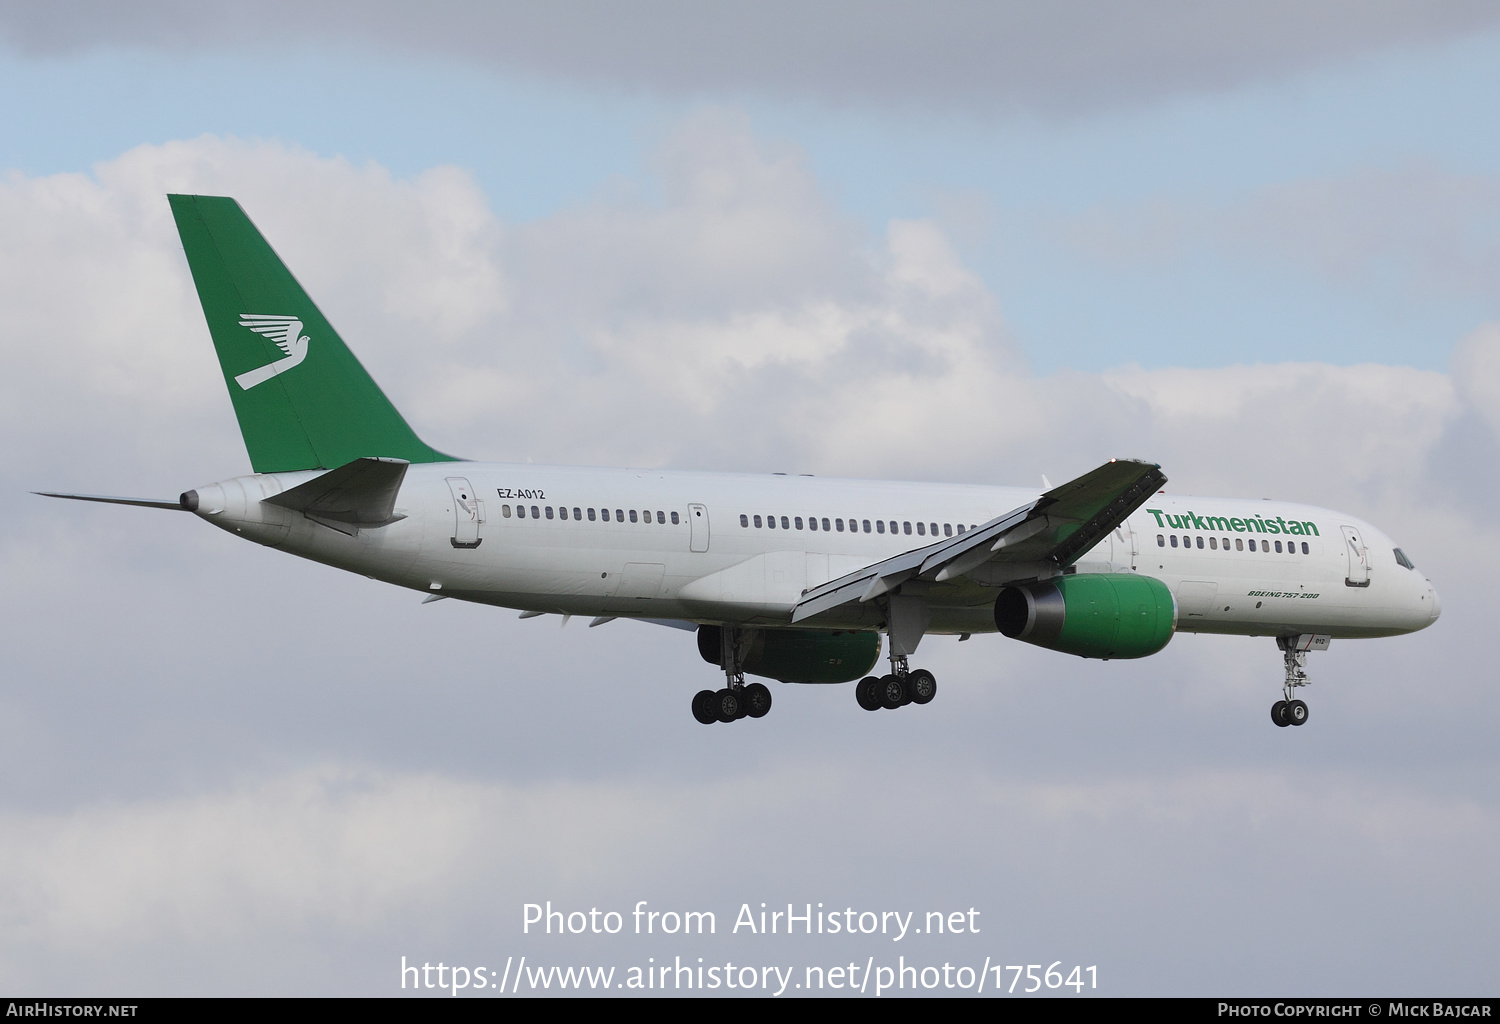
[1037, 540]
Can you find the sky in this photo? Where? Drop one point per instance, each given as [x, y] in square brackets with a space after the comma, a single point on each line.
[1257, 244]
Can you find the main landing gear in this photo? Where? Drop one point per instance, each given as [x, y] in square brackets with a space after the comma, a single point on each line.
[901, 687]
[1288, 711]
[737, 699]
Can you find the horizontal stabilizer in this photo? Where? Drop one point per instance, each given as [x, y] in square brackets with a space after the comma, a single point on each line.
[358, 494]
[143, 502]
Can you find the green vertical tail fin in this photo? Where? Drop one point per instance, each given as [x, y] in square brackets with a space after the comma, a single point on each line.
[302, 399]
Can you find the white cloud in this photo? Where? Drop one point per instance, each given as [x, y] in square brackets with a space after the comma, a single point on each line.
[732, 319]
[342, 851]
[1476, 373]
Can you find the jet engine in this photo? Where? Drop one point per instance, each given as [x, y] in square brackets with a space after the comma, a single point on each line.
[1092, 615]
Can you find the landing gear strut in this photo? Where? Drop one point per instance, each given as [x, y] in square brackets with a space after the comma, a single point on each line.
[737, 699]
[1289, 711]
[901, 687]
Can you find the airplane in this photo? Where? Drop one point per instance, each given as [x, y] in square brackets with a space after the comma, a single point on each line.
[790, 578]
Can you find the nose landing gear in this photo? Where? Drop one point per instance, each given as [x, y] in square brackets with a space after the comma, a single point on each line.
[1289, 711]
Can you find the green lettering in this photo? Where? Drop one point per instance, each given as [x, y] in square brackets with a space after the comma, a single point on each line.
[1271, 526]
[1217, 523]
[1310, 529]
[1157, 514]
[1237, 525]
[1294, 527]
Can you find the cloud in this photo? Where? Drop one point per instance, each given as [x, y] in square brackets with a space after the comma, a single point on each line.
[122, 891]
[955, 55]
[220, 757]
[1424, 231]
[1476, 373]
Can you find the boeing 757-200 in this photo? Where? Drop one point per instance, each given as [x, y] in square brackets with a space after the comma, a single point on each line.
[792, 578]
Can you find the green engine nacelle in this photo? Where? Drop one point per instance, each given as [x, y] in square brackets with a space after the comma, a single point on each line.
[1092, 615]
[799, 655]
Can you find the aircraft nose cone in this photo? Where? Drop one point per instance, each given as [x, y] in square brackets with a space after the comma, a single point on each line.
[1437, 605]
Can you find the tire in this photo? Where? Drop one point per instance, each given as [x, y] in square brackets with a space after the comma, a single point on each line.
[757, 700]
[1278, 714]
[922, 686]
[1296, 712]
[866, 693]
[703, 707]
[726, 704]
[892, 692]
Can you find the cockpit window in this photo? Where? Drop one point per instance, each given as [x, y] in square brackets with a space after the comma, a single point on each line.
[1402, 560]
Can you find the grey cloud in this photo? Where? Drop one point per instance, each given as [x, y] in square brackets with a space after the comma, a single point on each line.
[951, 55]
[226, 770]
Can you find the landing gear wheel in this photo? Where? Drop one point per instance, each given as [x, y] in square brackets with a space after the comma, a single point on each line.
[867, 692]
[1278, 713]
[922, 686]
[1296, 712]
[756, 699]
[892, 692]
[726, 704]
[703, 707]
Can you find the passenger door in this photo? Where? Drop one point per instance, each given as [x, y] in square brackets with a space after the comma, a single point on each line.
[1359, 558]
[467, 513]
[698, 526]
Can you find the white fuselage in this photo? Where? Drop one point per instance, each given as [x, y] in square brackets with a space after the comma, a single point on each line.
[544, 544]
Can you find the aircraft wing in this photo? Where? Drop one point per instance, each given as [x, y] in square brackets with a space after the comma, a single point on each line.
[1052, 531]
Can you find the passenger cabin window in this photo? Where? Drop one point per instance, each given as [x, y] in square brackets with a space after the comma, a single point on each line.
[576, 515]
[1239, 544]
[744, 521]
[505, 511]
[591, 515]
[661, 518]
[947, 529]
[675, 520]
[799, 522]
[867, 526]
[1174, 540]
[1304, 547]
[562, 513]
[825, 525]
[757, 522]
[632, 515]
[784, 525]
[1161, 541]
